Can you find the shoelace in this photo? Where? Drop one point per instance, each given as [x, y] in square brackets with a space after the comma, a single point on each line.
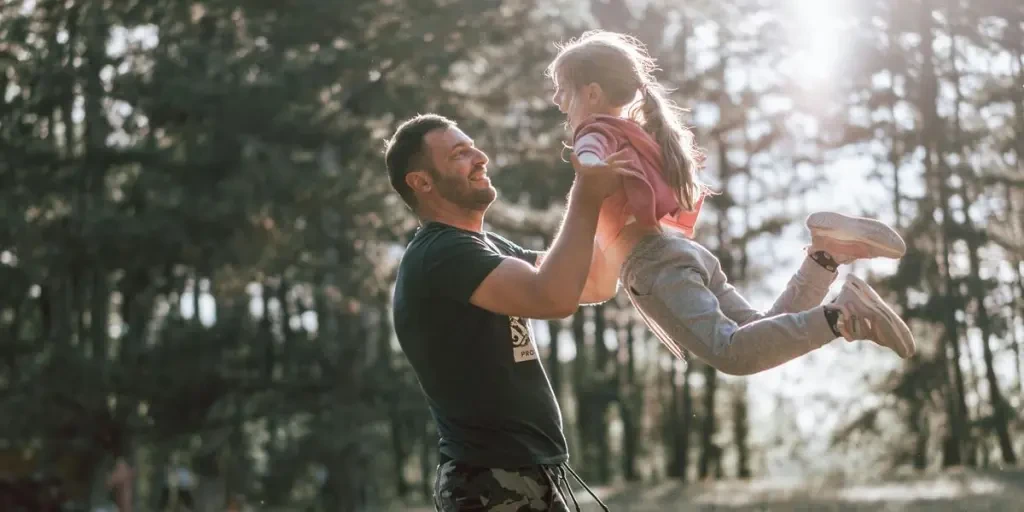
[855, 323]
[558, 479]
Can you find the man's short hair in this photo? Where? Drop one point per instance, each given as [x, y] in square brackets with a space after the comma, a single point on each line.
[407, 151]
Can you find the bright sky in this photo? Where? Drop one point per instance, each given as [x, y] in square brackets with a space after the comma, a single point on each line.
[816, 35]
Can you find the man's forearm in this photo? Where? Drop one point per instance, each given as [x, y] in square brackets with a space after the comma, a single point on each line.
[563, 273]
[602, 281]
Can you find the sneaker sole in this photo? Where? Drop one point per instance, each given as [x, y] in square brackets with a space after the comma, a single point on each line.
[878, 235]
[906, 346]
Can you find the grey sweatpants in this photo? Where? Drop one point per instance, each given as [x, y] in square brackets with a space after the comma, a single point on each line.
[682, 294]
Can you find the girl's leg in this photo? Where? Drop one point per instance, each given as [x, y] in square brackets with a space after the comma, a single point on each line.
[836, 239]
[806, 289]
[680, 290]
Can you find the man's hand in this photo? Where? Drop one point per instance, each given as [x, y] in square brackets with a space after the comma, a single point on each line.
[601, 178]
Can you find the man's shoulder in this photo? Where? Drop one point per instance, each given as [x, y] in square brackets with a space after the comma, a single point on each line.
[500, 239]
[435, 236]
[434, 243]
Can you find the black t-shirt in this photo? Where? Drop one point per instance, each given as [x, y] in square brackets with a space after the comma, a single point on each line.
[480, 371]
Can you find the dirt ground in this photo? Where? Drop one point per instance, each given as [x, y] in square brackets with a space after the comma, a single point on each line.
[968, 491]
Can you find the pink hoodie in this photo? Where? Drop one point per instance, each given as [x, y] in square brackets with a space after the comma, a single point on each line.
[646, 195]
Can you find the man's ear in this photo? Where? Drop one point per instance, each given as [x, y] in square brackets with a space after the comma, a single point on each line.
[419, 181]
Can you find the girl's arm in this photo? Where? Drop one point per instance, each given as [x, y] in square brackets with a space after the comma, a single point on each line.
[591, 148]
[602, 281]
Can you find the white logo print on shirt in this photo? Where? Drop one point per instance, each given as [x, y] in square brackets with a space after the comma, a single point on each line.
[523, 348]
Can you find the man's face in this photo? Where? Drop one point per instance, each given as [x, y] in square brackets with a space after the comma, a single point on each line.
[460, 170]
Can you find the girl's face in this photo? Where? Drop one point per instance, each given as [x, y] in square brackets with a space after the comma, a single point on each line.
[577, 104]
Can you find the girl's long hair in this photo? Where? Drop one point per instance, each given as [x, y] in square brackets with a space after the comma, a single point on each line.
[622, 67]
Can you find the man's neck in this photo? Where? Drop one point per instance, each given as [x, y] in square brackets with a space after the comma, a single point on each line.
[468, 220]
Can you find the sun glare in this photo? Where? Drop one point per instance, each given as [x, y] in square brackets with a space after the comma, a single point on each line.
[816, 39]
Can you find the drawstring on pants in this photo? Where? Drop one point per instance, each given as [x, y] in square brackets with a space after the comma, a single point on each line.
[558, 479]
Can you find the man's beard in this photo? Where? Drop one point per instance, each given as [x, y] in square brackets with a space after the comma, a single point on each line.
[459, 192]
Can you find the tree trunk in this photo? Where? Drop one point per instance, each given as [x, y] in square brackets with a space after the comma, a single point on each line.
[708, 449]
[554, 365]
[1015, 34]
[958, 439]
[99, 314]
[582, 381]
[686, 423]
[919, 427]
[1001, 408]
[1002, 413]
[427, 460]
[1013, 313]
[631, 403]
[399, 450]
[670, 420]
[386, 370]
[605, 387]
[673, 426]
[916, 416]
[740, 431]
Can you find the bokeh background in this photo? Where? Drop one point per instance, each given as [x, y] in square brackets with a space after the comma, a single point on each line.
[199, 243]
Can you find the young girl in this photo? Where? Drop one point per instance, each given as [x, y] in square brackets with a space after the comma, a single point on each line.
[604, 85]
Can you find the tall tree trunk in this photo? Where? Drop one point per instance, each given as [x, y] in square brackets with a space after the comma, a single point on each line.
[671, 416]
[1002, 412]
[99, 313]
[1015, 35]
[686, 414]
[427, 460]
[958, 438]
[400, 449]
[1000, 406]
[708, 449]
[740, 431]
[919, 427]
[1014, 308]
[630, 398]
[582, 382]
[554, 365]
[916, 417]
[604, 387]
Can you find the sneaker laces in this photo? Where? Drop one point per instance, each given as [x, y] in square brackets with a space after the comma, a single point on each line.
[855, 322]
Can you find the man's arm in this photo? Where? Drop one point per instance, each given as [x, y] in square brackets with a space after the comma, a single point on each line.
[551, 290]
[602, 281]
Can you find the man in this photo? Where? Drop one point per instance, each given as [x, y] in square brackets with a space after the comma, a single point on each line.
[461, 305]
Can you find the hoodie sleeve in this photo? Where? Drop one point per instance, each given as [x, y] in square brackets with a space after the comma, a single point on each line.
[596, 141]
[603, 139]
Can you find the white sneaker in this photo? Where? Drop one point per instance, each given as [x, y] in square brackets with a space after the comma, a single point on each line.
[847, 238]
[865, 316]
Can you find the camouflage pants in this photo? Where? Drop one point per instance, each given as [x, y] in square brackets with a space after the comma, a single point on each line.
[460, 487]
